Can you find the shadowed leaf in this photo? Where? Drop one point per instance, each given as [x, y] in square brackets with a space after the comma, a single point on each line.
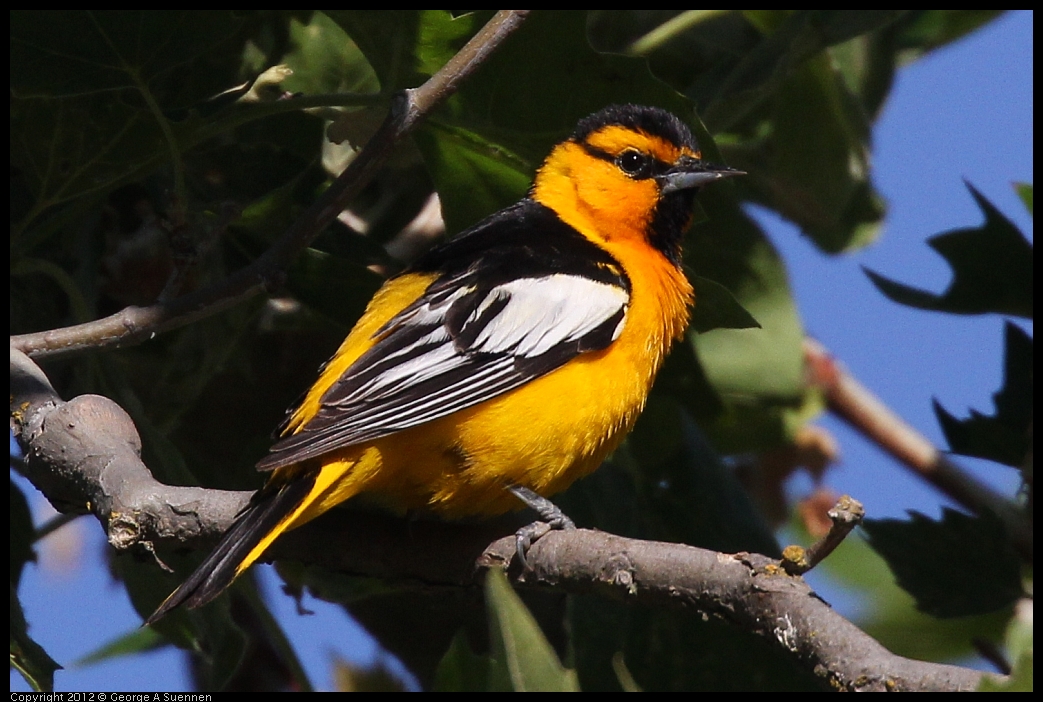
[955, 567]
[992, 270]
[1004, 436]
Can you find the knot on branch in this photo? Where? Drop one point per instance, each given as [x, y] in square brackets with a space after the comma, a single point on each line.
[125, 530]
[618, 572]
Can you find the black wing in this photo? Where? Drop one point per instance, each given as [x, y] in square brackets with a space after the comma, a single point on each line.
[519, 296]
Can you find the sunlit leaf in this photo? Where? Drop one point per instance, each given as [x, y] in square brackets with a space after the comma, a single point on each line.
[405, 47]
[1025, 193]
[1019, 640]
[136, 641]
[325, 60]
[523, 660]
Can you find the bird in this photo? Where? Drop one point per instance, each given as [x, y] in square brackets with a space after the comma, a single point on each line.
[505, 363]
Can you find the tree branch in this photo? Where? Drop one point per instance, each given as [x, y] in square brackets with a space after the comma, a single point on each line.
[84, 455]
[136, 324]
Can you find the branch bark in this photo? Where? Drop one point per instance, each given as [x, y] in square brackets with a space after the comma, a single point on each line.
[84, 455]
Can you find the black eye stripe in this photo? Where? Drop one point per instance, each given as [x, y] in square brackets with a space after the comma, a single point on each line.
[596, 153]
[656, 167]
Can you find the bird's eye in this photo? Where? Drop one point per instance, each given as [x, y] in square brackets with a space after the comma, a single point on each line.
[634, 163]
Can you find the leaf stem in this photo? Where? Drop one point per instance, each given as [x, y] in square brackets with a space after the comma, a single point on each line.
[643, 46]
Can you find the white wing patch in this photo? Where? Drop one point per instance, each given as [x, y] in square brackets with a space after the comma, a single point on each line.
[543, 312]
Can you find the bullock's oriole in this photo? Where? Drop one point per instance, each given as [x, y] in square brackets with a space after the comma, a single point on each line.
[507, 362]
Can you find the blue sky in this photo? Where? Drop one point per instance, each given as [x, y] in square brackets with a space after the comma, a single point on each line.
[965, 112]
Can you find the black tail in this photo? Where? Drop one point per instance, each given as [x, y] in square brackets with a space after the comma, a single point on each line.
[220, 568]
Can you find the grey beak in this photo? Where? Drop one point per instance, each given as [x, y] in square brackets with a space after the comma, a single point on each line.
[692, 173]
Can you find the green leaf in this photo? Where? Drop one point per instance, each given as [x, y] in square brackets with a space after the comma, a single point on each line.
[717, 308]
[523, 660]
[809, 158]
[338, 287]
[78, 146]
[267, 216]
[685, 492]
[325, 60]
[871, 61]
[461, 669]
[27, 656]
[135, 641]
[926, 30]
[957, 567]
[467, 162]
[1019, 640]
[785, 43]
[1024, 191]
[992, 270]
[405, 47]
[674, 650]
[89, 91]
[1020, 679]
[1003, 437]
[732, 63]
[814, 168]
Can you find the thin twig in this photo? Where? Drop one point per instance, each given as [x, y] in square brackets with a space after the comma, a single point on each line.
[135, 324]
[846, 514]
